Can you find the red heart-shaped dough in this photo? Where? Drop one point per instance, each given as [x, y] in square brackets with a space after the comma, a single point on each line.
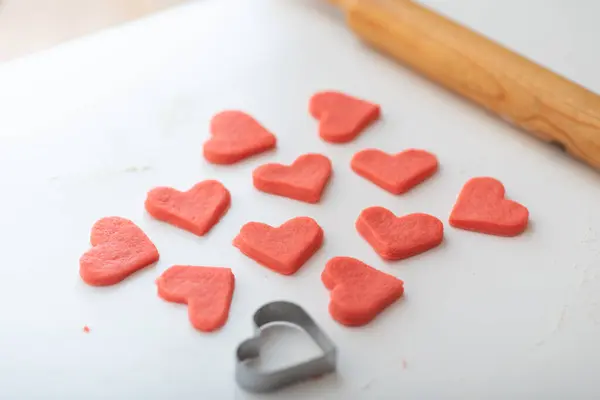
[235, 136]
[395, 173]
[341, 117]
[284, 249]
[196, 210]
[206, 290]
[304, 180]
[120, 249]
[358, 291]
[396, 238]
[481, 207]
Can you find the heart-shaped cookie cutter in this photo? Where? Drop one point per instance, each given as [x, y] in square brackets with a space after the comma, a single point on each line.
[254, 380]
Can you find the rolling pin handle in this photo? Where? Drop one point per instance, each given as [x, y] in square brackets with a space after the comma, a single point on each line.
[531, 97]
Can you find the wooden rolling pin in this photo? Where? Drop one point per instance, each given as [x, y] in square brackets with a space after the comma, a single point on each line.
[553, 108]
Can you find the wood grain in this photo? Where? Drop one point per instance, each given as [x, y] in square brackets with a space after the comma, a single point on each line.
[534, 98]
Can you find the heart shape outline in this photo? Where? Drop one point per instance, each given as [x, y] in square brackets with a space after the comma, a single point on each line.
[397, 173]
[119, 248]
[207, 291]
[284, 249]
[342, 117]
[303, 180]
[283, 311]
[482, 207]
[358, 292]
[397, 238]
[235, 136]
[196, 210]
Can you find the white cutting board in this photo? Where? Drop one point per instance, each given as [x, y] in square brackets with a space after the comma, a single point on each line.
[89, 127]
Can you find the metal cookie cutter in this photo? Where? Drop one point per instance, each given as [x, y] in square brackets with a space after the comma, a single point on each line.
[253, 380]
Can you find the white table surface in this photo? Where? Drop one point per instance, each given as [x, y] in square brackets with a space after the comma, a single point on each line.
[87, 128]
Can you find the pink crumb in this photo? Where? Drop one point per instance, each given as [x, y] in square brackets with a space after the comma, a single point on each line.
[404, 364]
[86, 329]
